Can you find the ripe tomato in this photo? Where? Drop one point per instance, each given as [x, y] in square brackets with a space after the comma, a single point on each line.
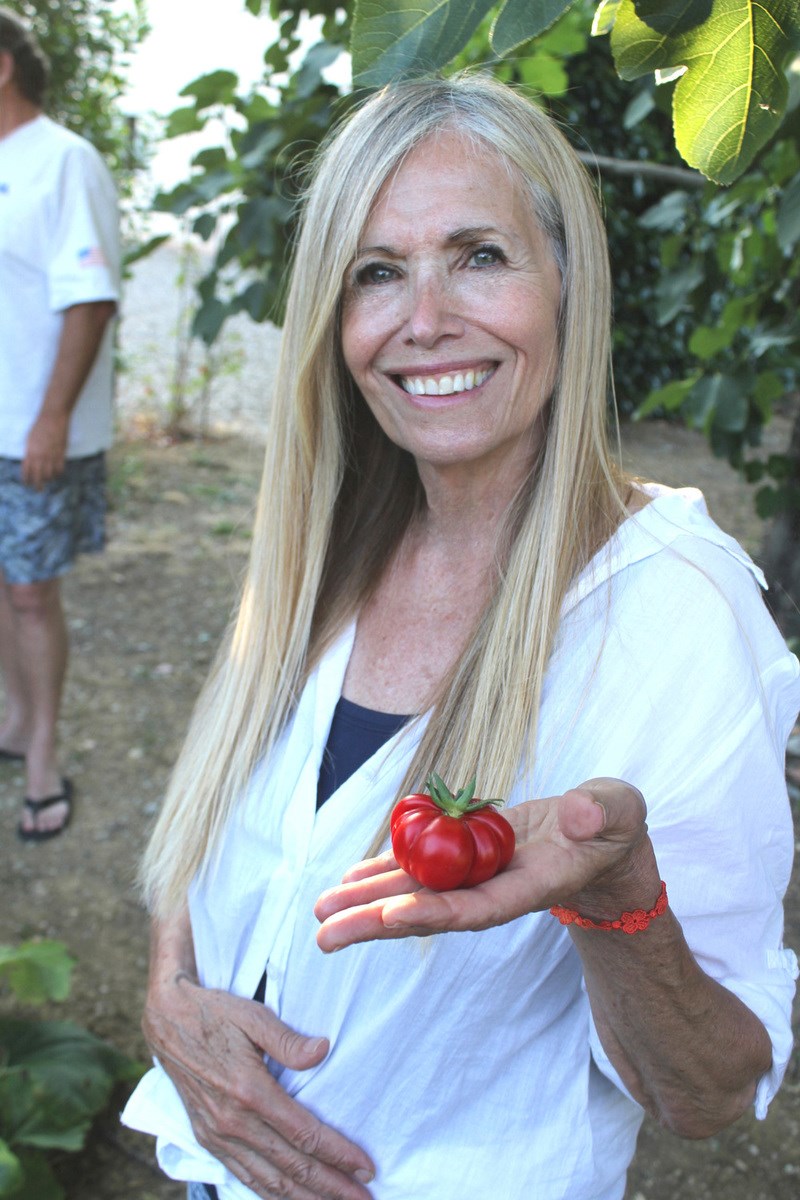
[445, 841]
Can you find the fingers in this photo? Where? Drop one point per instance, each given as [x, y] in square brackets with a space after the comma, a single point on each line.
[212, 1045]
[295, 1156]
[364, 891]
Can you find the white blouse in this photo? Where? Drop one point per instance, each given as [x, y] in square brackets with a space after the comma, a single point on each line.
[468, 1065]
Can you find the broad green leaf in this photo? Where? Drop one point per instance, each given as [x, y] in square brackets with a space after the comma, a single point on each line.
[789, 215]
[545, 74]
[37, 970]
[520, 20]
[10, 1170]
[55, 1078]
[209, 319]
[38, 1182]
[604, 17]
[640, 106]
[670, 397]
[770, 501]
[733, 91]
[673, 16]
[183, 120]
[668, 214]
[713, 394]
[396, 39]
[674, 289]
[218, 87]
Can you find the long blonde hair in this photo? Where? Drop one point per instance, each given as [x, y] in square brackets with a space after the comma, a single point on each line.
[337, 495]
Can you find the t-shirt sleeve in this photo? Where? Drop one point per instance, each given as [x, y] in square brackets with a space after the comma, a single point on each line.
[84, 250]
[714, 694]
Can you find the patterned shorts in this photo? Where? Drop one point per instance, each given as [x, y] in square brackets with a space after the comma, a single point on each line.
[42, 532]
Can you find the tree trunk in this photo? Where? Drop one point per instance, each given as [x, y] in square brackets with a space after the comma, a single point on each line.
[780, 549]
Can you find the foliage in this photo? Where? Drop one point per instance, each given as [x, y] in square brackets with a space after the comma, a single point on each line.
[88, 44]
[728, 57]
[54, 1076]
[730, 282]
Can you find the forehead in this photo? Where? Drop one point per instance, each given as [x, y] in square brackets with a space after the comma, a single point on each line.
[451, 180]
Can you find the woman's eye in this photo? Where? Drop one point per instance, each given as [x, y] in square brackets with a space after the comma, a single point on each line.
[486, 256]
[374, 272]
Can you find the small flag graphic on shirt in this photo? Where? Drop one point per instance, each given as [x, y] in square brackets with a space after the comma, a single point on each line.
[91, 256]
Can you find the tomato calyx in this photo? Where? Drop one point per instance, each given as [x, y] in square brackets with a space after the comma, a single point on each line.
[460, 803]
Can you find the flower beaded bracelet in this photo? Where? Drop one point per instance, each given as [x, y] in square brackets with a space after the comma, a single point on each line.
[628, 922]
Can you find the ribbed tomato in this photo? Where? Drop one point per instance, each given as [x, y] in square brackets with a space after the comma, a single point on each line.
[447, 841]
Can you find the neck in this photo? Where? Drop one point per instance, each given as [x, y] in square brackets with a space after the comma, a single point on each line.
[15, 110]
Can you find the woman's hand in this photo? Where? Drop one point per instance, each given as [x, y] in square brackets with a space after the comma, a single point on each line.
[211, 1044]
[587, 849]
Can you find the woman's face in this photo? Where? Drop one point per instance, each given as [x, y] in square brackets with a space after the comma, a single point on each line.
[450, 313]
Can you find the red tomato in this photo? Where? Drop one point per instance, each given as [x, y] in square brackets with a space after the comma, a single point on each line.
[445, 841]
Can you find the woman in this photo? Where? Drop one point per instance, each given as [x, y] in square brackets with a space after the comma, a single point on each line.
[449, 573]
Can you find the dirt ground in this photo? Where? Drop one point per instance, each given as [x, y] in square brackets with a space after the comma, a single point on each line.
[144, 620]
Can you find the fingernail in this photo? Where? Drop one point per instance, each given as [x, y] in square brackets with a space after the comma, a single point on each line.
[317, 1045]
[363, 1175]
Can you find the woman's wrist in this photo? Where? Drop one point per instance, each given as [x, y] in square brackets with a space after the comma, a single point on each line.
[633, 883]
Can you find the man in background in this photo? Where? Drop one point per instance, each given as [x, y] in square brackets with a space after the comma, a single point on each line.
[59, 288]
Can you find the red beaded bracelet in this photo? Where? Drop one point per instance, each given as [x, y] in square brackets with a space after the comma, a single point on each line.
[629, 922]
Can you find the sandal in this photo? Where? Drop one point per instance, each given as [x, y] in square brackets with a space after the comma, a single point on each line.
[10, 756]
[35, 807]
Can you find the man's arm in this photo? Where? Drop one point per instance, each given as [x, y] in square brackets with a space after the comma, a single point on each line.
[81, 335]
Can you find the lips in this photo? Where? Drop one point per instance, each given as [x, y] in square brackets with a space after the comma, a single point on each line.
[447, 384]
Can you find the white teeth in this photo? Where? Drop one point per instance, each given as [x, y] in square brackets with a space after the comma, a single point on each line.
[444, 385]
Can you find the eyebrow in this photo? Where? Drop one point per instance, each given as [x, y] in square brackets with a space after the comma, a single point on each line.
[457, 237]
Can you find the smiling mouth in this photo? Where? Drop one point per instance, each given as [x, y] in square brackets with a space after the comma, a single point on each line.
[444, 385]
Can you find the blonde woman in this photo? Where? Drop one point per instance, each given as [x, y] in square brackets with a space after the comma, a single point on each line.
[449, 572]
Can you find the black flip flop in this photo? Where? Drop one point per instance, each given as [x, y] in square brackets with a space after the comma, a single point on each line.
[35, 807]
[11, 756]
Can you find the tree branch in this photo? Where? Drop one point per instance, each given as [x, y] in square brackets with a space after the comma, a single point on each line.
[682, 176]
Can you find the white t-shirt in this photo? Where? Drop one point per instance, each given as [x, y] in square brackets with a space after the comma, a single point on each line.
[469, 1066]
[59, 246]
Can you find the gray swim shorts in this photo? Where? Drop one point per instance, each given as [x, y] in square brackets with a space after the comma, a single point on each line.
[42, 532]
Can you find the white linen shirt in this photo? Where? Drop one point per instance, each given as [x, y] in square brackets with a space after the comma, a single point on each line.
[468, 1065]
[59, 246]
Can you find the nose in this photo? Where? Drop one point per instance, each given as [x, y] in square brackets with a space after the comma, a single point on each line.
[432, 311]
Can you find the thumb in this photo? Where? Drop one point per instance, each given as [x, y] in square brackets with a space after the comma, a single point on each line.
[604, 806]
[288, 1047]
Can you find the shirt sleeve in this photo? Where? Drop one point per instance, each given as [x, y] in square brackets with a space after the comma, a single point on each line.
[715, 693]
[84, 249]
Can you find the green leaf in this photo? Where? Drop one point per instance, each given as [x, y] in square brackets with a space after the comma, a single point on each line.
[10, 1170]
[545, 74]
[789, 215]
[218, 87]
[39, 1182]
[402, 38]
[55, 1078]
[769, 501]
[37, 970]
[668, 214]
[673, 16]
[604, 17]
[733, 91]
[520, 20]
[640, 107]
[716, 402]
[674, 290]
[183, 120]
[670, 397]
[209, 319]
[205, 225]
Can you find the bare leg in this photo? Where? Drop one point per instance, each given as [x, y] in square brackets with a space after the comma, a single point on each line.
[15, 724]
[42, 658]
